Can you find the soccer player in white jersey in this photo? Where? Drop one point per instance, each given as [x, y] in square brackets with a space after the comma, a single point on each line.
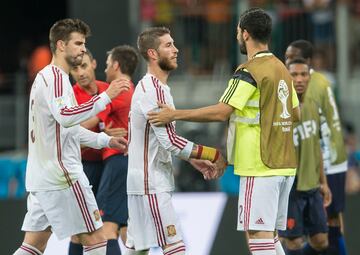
[60, 199]
[152, 219]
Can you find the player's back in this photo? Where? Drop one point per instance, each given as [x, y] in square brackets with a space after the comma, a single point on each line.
[150, 164]
[53, 150]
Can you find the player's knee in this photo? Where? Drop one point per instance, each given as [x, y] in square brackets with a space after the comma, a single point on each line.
[319, 242]
[89, 239]
[111, 230]
[294, 243]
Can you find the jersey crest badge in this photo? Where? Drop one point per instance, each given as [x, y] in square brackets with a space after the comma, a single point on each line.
[97, 215]
[171, 230]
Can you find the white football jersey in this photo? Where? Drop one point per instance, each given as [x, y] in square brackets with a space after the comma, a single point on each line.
[150, 148]
[54, 158]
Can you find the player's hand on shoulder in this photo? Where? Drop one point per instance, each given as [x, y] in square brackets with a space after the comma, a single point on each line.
[119, 143]
[117, 86]
[163, 116]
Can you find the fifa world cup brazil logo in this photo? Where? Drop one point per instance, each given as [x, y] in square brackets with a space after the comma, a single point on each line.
[283, 95]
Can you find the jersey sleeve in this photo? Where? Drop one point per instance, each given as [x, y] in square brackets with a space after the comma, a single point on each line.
[166, 135]
[92, 139]
[295, 99]
[170, 141]
[240, 88]
[62, 103]
[103, 116]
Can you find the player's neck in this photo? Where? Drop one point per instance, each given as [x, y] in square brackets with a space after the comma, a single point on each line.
[92, 89]
[123, 76]
[158, 73]
[254, 47]
[61, 63]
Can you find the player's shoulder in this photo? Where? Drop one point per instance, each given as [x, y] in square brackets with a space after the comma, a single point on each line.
[244, 75]
[149, 84]
[51, 74]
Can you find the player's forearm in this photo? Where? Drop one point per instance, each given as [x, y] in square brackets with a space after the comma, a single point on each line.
[90, 123]
[92, 139]
[204, 114]
[69, 116]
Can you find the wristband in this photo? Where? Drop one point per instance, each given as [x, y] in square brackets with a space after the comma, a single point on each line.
[207, 153]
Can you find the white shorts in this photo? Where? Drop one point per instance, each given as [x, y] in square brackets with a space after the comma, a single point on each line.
[152, 221]
[263, 202]
[68, 212]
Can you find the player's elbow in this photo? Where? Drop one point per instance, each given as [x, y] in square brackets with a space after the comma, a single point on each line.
[66, 123]
[221, 117]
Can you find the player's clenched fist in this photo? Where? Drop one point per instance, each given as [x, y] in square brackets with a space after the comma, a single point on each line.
[119, 143]
[117, 86]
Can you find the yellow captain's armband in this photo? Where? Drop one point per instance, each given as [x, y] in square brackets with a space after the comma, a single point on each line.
[207, 153]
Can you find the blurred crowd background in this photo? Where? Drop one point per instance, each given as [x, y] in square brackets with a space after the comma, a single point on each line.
[205, 33]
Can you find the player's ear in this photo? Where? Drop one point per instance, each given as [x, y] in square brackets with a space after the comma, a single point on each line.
[60, 44]
[116, 65]
[94, 64]
[245, 35]
[152, 53]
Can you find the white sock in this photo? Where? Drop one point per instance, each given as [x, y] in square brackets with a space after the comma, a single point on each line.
[96, 249]
[176, 249]
[133, 252]
[278, 247]
[27, 249]
[262, 246]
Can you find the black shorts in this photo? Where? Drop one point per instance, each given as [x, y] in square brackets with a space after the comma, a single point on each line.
[93, 171]
[111, 196]
[336, 184]
[306, 214]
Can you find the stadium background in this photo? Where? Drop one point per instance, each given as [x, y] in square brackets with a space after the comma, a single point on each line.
[204, 31]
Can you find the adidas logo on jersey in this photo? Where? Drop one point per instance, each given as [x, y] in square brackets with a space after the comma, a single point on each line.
[259, 221]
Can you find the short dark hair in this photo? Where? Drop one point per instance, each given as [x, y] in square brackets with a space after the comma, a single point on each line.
[306, 48]
[62, 29]
[298, 61]
[257, 23]
[127, 58]
[149, 39]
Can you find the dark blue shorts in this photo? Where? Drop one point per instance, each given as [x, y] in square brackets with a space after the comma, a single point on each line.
[93, 171]
[111, 196]
[306, 214]
[336, 184]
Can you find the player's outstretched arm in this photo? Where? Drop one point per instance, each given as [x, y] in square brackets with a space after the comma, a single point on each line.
[67, 114]
[217, 112]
